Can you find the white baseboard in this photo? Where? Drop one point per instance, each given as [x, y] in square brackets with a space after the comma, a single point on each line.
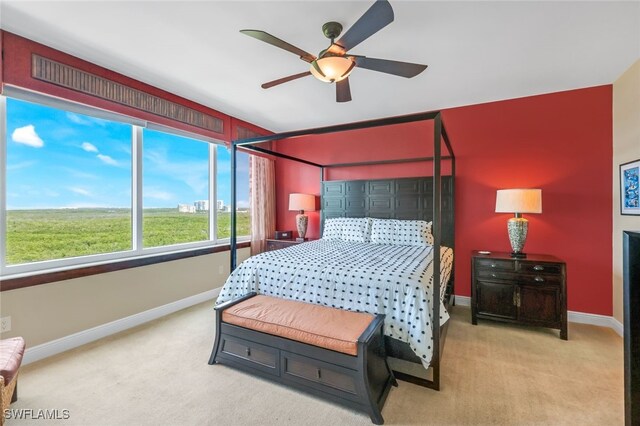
[57, 346]
[463, 300]
[578, 317]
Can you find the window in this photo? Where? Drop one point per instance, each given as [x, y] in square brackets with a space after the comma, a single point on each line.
[175, 189]
[223, 182]
[68, 184]
[84, 185]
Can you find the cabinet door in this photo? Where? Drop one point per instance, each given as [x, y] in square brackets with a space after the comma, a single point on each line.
[539, 304]
[496, 299]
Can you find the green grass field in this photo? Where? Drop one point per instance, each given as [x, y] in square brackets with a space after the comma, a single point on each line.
[34, 235]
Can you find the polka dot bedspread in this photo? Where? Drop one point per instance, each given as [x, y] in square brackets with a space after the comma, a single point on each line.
[395, 280]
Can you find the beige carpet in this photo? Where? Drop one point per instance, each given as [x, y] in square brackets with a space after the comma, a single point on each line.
[493, 374]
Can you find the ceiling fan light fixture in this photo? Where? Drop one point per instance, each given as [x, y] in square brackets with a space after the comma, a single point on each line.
[332, 68]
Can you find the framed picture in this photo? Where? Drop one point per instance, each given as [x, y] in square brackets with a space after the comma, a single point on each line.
[630, 188]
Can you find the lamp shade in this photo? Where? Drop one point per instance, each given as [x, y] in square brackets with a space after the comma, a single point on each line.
[302, 202]
[332, 68]
[519, 201]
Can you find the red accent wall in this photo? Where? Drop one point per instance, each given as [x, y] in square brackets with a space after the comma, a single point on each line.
[560, 142]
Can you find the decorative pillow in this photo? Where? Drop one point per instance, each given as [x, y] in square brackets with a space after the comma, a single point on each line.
[347, 229]
[383, 231]
[356, 230]
[414, 232]
[332, 228]
[401, 232]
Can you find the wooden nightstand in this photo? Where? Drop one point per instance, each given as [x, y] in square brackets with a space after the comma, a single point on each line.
[280, 244]
[531, 291]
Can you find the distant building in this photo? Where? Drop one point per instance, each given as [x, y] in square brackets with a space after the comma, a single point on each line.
[186, 208]
[201, 205]
[220, 205]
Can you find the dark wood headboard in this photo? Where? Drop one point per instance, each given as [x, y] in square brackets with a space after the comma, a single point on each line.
[403, 198]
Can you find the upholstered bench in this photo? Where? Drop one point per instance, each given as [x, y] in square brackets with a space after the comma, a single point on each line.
[334, 354]
[11, 352]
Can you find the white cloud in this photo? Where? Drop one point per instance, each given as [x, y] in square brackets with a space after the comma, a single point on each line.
[75, 118]
[80, 191]
[89, 147]
[107, 160]
[84, 120]
[158, 194]
[193, 173]
[21, 165]
[27, 135]
[243, 204]
[77, 173]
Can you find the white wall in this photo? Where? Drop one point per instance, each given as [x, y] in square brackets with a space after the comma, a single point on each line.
[50, 311]
[626, 147]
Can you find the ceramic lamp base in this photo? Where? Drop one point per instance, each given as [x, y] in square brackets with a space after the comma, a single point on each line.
[301, 223]
[517, 228]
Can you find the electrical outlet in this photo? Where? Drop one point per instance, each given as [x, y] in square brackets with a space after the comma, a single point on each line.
[5, 324]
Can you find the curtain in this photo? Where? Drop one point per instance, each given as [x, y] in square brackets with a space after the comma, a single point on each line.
[262, 194]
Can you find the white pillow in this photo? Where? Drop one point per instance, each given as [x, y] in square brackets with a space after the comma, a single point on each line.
[347, 229]
[356, 230]
[332, 228]
[401, 232]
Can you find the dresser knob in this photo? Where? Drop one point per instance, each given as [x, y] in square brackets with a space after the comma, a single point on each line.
[318, 375]
[248, 351]
[538, 268]
[494, 276]
[493, 265]
[538, 279]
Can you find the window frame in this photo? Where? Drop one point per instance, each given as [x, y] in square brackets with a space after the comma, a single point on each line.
[137, 250]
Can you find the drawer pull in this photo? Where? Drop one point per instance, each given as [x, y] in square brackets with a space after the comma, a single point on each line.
[248, 351]
[493, 265]
[318, 375]
[538, 268]
[538, 279]
[494, 275]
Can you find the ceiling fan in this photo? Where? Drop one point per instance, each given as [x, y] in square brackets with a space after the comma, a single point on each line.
[334, 64]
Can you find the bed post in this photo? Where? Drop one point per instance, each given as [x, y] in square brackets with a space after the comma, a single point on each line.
[437, 239]
[233, 239]
[445, 137]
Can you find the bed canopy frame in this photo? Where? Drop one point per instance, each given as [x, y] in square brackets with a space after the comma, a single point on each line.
[439, 136]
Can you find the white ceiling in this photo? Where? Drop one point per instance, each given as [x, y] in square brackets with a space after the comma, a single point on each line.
[476, 51]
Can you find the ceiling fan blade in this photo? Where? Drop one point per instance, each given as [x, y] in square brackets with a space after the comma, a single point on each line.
[343, 91]
[403, 69]
[285, 79]
[379, 15]
[275, 41]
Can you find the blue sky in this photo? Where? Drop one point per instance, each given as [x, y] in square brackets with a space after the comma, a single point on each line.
[59, 159]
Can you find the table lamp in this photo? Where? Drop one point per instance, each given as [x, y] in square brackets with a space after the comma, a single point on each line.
[518, 201]
[302, 202]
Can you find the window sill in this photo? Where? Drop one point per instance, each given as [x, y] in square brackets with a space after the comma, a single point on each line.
[45, 277]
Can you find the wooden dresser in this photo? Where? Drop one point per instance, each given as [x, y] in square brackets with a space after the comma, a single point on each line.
[531, 291]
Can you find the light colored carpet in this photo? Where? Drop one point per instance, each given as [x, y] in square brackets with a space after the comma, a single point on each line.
[493, 374]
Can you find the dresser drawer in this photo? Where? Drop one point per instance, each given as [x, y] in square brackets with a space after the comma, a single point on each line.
[541, 268]
[318, 374]
[540, 279]
[496, 264]
[497, 274]
[250, 354]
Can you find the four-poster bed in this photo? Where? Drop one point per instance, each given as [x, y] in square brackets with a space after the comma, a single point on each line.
[431, 199]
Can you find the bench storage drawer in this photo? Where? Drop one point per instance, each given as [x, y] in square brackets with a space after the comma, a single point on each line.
[250, 354]
[323, 376]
